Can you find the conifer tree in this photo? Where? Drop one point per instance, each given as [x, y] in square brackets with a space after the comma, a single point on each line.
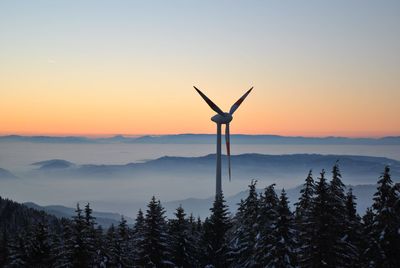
[352, 231]
[182, 245]
[80, 251]
[64, 245]
[386, 223]
[321, 239]
[90, 234]
[39, 247]
[111, 241]
[368, 244]
[267, 217]
[343, 252]
[283, 250]
[245, 228]
[215, 238]
[124, 254]
[155, 248]
[138, 240]
[303, 219]
[4, 248]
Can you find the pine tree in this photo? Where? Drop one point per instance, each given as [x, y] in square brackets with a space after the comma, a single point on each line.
[111, 241]
[303, 219]
[39, 247]
[90, 234]
[343, 252]
[322, 238]
[81, 253]
[64, 245]
[155, 248]
[215, 238]
[283, 250]
[138, 240]
[182, 247]
[4, 248]
[245, 230]
[123, 250]
[369, 244]
[267, 217]
[352, 232]
[18, 256]
[386, 223]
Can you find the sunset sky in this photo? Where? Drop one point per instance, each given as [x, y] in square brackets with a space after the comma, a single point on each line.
[92, 67]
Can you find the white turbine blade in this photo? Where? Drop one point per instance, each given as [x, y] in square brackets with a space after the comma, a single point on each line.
[228, 148]
[209, 102]
[239, 101]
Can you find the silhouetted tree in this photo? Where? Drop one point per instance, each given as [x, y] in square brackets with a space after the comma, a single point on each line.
[215, 230]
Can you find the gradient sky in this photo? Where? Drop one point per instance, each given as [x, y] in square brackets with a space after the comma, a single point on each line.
[127, 67]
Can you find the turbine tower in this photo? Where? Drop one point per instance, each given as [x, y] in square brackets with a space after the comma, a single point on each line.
[222, 118]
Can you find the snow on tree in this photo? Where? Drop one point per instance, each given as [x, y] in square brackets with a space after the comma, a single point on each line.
[303, 216]
[215, 228]
[267, 218]
[182, 245]
[386, 222]
[352, 231]
[283, 248]
[244, 231]
[155, 251]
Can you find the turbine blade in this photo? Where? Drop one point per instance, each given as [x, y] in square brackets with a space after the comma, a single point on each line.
[209, 102]
[228, 148]
[239, 101]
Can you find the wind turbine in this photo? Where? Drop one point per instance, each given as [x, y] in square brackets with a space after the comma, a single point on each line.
[222, 118]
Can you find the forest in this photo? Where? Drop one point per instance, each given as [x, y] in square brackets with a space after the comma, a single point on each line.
[322, 230]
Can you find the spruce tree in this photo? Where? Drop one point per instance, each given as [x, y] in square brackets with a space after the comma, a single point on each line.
[138, 240]
[322, 254]
[90, 234]
[283, 250]
[4, 248]
[81, 253]
[113, 250]
[39, 247]
[386, 223]
[155, 248]
[368, 242]
[304, 221]
[352, 232]
[245, 228]
[215, 238]
[124, 255]
[342, 251]
[267, 218]
[182, 245]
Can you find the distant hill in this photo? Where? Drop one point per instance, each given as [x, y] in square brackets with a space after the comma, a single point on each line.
[53, 164]
[356, 169]
[207, 139]
[5, 174]
[104, 219]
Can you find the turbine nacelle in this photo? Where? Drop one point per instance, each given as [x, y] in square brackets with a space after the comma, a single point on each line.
[222, 119]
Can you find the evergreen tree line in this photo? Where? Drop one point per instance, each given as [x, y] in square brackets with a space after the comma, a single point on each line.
[324, 230]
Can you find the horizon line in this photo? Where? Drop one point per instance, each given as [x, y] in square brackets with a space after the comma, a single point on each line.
[110, 135]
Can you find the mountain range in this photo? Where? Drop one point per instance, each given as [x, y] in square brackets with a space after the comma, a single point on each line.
[207, 139]
[356, 169]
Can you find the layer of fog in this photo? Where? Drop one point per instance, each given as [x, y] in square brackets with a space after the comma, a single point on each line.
[126, 195]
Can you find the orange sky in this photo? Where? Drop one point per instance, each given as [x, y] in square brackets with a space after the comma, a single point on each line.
[315, 74]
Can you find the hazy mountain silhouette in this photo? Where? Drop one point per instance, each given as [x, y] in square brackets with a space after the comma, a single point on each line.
[207, 139]
[5, 174]
[356, 169]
